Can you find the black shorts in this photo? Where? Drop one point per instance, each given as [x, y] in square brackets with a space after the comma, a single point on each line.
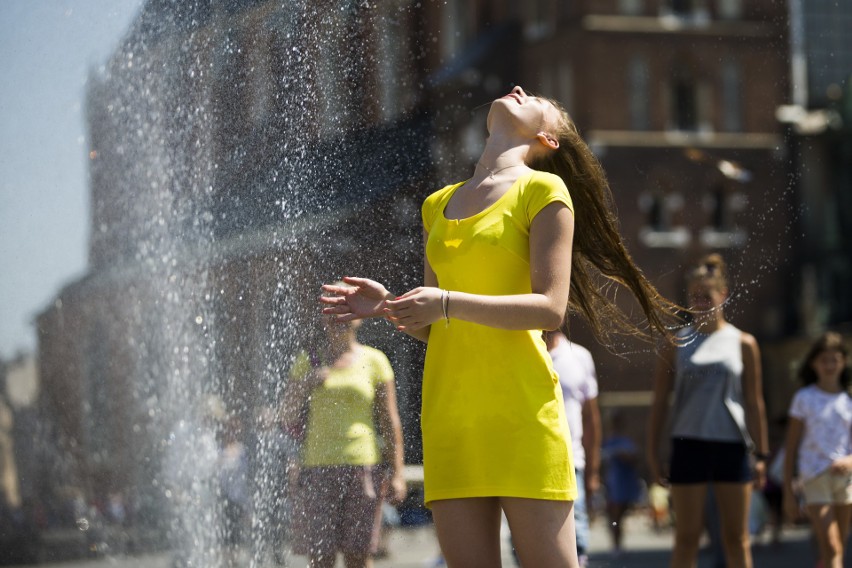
[704, 461]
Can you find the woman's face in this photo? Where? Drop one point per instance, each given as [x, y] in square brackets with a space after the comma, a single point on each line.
[828, 364]
[338, 331]
[705, 295]
[518, 110]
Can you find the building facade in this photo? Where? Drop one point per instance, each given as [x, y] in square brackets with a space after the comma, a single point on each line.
[242, 152]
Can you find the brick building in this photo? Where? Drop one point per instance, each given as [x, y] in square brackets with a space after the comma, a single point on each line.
[678, 101]
[242, 152]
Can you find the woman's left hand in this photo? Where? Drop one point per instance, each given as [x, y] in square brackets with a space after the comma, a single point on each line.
[842, 465]
[361, 298]
[416, 309]
[759, 474]
[398, 489]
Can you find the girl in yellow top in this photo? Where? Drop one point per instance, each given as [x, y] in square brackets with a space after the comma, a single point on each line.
[498, 270]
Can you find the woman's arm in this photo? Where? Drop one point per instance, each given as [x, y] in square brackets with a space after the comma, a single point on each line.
[363, 298]
[551, 238]
[430, 281]
[390, 429]
[795, 428]
[296, 395]
[755, 409]
[663, 383]
[592, 444]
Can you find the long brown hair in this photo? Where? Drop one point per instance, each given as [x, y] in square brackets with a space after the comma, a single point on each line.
[600, 263]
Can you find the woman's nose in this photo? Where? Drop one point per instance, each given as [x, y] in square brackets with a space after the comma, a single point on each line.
[517, 90]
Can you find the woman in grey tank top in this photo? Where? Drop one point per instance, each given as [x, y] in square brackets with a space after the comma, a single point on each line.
[718, 422]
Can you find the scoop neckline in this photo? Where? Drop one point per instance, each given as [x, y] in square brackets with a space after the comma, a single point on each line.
[483, 211]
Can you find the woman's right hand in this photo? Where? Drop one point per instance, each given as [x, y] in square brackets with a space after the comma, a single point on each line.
[656, 473]
[362, 298]
[792, 509]
[316, 378]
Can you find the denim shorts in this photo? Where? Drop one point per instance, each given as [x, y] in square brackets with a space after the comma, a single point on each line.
[706, 461]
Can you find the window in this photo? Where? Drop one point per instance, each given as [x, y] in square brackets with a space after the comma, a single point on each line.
[731, 101]
[541, 15]
[730, 9]
[687, 11]
[455, 26]
[639, 96]
[391, 47]
[682, 8]
[631, 7]
[723, 202]
[684, 101]
[565, 85]
[662, 229]
[260, 80]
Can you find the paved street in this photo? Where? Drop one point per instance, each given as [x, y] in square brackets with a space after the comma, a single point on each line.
[644, 548]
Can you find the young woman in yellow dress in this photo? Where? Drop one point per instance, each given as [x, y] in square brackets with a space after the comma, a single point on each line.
[501, 255]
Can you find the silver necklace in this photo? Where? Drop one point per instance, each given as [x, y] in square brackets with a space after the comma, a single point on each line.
[495, 172]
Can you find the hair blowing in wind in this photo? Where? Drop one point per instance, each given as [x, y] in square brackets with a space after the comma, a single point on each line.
[600, 262]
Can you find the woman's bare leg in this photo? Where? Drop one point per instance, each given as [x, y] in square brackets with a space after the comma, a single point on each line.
[829, 533]
[843, 516]
[468, 531]
[688, 506]
[542, 531]
[321, 560]
[358, 560]
[732, 500]
[615, 515]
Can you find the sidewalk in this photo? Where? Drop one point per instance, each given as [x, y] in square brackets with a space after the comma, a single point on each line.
[418, 547]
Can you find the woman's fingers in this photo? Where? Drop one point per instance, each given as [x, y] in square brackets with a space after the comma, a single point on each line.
[336, 310]
[333, 300]
[359, 282]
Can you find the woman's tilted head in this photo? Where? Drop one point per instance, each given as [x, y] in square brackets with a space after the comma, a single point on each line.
[528, 116]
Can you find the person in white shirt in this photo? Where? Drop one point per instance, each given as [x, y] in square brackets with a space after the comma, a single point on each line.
[579, 383]
[820, 444]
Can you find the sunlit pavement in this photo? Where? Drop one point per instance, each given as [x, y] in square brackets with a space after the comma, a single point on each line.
[643, 548]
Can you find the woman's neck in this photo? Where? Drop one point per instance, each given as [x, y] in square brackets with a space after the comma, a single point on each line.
[337, 350]
[829, 384]
[501, 152]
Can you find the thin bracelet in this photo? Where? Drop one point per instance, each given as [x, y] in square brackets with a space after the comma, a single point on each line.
[446, 306]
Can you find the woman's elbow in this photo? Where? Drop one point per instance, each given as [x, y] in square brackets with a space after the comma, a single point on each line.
[553, 318]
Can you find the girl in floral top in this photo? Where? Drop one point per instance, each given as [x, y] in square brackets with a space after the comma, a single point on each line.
[818, 442]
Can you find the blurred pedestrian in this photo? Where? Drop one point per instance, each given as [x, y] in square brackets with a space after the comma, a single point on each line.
[718, 420]
[818, 442]
[352, 446]
[773, 491]
[190, 474]
[620, 456]
[501, 254]
[272, 454]
[232, 468]
[578, 380]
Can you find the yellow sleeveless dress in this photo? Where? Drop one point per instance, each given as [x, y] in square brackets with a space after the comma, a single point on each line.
[493, 419]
